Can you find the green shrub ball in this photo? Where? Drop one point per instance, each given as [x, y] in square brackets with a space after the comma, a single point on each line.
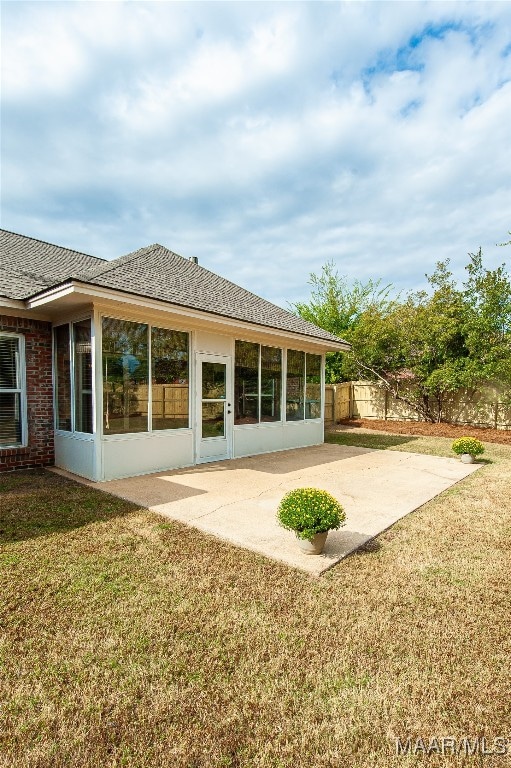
[468, 445]
[308, 511]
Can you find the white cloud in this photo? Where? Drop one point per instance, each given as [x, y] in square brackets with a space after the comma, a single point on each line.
[263, 138]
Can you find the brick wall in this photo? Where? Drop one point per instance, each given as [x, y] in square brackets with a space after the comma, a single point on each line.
[39, 451]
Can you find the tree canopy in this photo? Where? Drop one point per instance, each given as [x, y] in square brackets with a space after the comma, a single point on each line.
[425, 345]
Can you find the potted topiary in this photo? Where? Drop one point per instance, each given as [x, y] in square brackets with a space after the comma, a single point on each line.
[468, 448]
[310, 513]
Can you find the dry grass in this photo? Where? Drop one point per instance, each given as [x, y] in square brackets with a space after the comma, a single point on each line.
[129, 641]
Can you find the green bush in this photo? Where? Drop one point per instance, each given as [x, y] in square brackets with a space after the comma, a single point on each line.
[468, 445]
[308, 511]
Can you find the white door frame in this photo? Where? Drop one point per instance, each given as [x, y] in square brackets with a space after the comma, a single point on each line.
[214, 448]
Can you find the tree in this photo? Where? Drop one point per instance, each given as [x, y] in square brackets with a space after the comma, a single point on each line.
[431, 345]
[414, 350]
[336, 306]
[425, 346]
[488, 326]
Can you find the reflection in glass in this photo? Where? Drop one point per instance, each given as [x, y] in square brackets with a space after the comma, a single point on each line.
[62, 377]
[213, 381]
[10, 391]
[9, 362]
[170, 378]
[271, 383]
[295, 385]
[83, 376]
[313, 387]
[213, 419]
[125, 376]
[246, 383]
[10, 418]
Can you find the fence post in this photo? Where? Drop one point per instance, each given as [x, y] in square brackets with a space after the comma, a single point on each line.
[386, 405]
[496, 415]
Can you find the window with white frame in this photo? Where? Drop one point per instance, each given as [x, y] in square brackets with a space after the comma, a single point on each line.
[257, 383]
[12, 391]
[72, 345]
[145, 377]
[303, 386]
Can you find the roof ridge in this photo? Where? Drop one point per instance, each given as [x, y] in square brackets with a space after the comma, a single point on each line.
[36, 267]
[148, 248]
[111, 265]
[53, 245]
[127, 257]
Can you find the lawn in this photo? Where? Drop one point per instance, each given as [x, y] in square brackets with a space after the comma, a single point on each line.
[127, 640]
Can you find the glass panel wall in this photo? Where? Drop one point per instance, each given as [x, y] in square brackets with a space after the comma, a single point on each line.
[170, 379]
[125, 376]
[271, 383]
[295, 385]
[246, 383]
[62, 350]
[303, 386]
[83, 376]
[257, 383]
[313, 387]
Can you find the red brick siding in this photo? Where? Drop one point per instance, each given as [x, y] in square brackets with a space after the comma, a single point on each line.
[40, 451]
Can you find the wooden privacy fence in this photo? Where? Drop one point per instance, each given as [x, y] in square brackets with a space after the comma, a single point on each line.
[338, 402]
[365, 400]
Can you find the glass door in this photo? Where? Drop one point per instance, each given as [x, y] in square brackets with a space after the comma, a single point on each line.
[214, 411]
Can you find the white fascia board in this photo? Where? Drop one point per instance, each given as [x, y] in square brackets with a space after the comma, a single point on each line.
[52, 295]
[98, 292]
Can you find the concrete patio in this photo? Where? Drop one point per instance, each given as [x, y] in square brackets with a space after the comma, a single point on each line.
[237, 500]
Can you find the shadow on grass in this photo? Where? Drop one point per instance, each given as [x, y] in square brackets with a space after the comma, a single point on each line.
[369, 548]
[364, 440]
[38, 503]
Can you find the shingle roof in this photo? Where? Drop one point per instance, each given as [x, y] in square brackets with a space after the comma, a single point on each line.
[154, 272]
[28, 266]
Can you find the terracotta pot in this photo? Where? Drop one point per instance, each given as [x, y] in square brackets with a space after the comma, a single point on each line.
[313, 546]
[467, 458]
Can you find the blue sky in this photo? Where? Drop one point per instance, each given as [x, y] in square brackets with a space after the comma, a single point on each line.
[264, 138]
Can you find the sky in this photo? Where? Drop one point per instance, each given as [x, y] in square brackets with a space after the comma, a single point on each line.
[266, 139]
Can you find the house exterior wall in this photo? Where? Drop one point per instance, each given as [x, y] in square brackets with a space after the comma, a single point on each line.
[39, 450]
[76, 453]
[103, 457]
[268, 438]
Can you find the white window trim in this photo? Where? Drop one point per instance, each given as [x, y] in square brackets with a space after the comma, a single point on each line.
[21, 375]
[77, 432]
[283, 361]
[322, 388]
[99, 378]
[72, 432]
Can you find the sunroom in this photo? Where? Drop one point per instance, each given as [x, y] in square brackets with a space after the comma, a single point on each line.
[154, 362]
[136, 397]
